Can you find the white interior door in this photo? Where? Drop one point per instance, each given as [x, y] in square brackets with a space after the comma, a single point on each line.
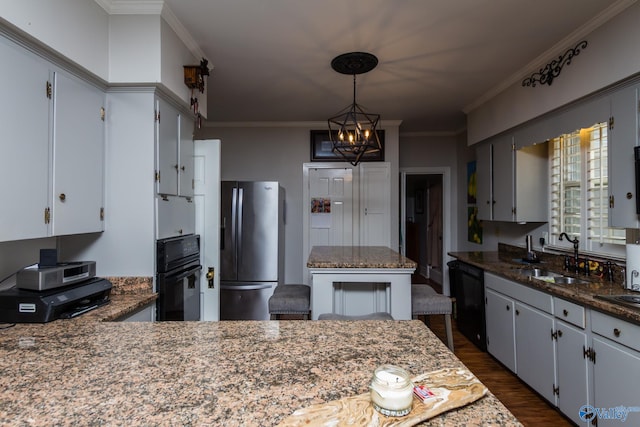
[207, 201]
[328, 207]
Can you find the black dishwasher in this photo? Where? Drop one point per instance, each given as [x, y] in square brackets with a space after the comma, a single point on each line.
[467, 286]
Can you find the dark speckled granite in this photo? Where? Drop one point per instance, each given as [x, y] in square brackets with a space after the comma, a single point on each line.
[503, 264]
[357, 257]
[242, 373]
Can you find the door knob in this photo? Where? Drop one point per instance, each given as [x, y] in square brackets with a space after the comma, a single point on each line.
[209, 276]
[62, 197]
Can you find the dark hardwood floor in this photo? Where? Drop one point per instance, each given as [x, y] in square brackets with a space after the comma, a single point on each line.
[528, 407]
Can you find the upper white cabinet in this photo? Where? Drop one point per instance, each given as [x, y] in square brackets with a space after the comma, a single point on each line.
[484, 181]
[512, 184]
[24, 164]
[186, 147]
[174, 151]
[623, 137]
[53, 149]
[78, 163]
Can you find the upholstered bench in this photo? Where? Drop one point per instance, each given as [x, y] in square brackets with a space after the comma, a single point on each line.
[373, 316]
[425, 301]
[290, 299]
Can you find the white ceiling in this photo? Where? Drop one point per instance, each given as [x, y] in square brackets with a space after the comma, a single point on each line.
[437, 58]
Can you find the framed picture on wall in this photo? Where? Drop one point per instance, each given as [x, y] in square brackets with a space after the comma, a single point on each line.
[471, 183]
[322, 148]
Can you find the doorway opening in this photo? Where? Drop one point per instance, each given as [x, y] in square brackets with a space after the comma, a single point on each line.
[425, 224]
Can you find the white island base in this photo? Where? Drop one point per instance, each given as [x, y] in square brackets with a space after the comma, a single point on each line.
[359, 291]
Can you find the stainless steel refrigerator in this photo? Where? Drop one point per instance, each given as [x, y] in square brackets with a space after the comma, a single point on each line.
[251, 248]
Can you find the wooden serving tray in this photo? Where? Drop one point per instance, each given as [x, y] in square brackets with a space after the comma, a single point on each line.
[453, 388]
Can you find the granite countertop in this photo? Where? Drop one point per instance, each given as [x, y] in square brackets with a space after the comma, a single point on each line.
[242, 373]
[128, 295]
[584, 294]
[357, 257]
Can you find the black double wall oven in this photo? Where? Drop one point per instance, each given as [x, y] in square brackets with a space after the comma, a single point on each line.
[178, 278]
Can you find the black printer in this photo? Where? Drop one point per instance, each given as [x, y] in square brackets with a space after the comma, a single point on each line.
[44, 294]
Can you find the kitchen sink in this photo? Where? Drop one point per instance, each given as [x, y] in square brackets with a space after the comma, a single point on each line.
[536, 272]
[564, 280]
[550, 276]
[626, 300]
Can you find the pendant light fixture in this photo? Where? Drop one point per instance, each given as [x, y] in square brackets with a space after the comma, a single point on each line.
[353, 131]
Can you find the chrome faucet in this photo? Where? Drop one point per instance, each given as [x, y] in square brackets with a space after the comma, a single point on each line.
[576, 244]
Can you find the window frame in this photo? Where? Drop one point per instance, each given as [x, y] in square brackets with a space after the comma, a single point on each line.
[588, 244]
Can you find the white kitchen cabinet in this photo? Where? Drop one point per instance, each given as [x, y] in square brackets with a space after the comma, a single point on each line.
[145, 314]
[623, 137]
[512, 184]
[572, 369]
[502, 179]
[484, 187]
[174, 133]
[167, 129]
[24, 164]
[53, 150]
[78, 163]
[500, 327]
[375, 204]
[176, 216]
[616, 359]
[535, 349]
[519, 331]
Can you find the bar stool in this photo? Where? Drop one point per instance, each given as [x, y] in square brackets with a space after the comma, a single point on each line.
[290, 299]
[425, 301]
[373, 316]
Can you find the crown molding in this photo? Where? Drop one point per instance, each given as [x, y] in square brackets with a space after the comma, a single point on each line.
[133, 7]
[552, 52]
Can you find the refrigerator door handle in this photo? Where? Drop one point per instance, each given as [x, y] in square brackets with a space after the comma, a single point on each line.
[223, 228]
[234, 225]
[240, 219]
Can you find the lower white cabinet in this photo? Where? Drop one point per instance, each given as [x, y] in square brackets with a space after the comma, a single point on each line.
[616, 369]
[519, 332]
[500, 328]
[572, 370]
[573, 381]
[535, 356]
[143, 315]
[589, 370]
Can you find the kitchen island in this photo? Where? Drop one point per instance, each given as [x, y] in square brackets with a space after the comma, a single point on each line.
[356, 280]
[253, 373]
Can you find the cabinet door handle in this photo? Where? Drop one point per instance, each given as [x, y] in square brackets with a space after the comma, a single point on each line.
[616, 332]
[565, 313]
[517, 312]
[62, 197]
[508, 308]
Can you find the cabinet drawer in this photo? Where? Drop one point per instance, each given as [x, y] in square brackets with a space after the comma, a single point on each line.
[540, 300]
[617, 330]
[569, 312]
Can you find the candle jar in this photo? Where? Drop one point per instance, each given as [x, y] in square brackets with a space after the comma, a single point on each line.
[391, 391]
